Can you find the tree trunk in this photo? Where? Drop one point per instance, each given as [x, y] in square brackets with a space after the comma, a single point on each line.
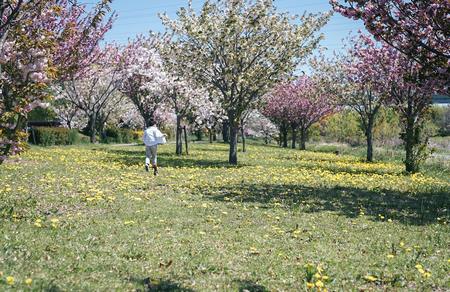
[186, 140]
[214, 135]
[411, 163]
[92, 130]
[244, 149]
[234, 129]
[178, 137]
[303, 137]
[225, 132]
[369, 137]
[285, 137]
[210, 136]
[199, 135]
[294, 136]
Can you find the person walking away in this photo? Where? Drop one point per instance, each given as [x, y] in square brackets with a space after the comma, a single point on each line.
[152, 138]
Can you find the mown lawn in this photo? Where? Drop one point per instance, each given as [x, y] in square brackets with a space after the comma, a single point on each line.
[91, 218]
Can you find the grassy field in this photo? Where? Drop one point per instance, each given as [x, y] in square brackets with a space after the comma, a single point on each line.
[91, 218]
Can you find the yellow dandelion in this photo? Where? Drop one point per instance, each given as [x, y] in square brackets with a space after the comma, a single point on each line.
[317, 275]
[319, 284]
[402, 244]
[38, 223]
[309, 285]
[426, 275]
[28, 281]
[10, 280]
[390, 256]
[370, 278]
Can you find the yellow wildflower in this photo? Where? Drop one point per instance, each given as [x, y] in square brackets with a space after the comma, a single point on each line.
[28, 281]
[38, 223]
[319, 284]
[10, 280]
[426, 275]
[309, 285]
[370, 278]
[390, 256]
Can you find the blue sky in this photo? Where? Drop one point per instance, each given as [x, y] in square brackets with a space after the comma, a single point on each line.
[141, 16]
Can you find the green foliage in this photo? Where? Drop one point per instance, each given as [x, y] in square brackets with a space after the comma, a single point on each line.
[118, 135]
[42, 114]
[440, 117]
[341, 127]
[386, 129]
[47, 136]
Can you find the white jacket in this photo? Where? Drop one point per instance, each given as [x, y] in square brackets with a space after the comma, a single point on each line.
[153, 136]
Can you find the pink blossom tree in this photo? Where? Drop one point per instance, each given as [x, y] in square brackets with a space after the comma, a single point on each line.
[144, 78]
[97, 93]
[411, 96]
[367, 69]
[419, 29]
[52, 40]
[300, 103]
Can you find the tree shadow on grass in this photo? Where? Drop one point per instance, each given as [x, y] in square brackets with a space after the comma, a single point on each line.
[158, 285]
[246, 285]
[418, 209]
[133, 157]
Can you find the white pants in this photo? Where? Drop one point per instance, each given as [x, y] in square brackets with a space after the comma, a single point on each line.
[150, 155]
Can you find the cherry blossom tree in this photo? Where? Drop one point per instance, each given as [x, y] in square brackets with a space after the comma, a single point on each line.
[420, 29]
[144, 78]
[209, 115]
[300, 103]
[52, 40]
[241, 49]
[367, 71]
[96, 93]
[412, 98]
[9, 12]
[261, 127]
[68, 113]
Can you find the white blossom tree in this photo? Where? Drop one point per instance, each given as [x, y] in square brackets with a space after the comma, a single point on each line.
[241, 49]
[143, 75]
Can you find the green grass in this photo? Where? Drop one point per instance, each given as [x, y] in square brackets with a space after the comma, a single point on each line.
[205, 226]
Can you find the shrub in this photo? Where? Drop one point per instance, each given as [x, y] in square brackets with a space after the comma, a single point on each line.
[117, 135]
[47, 136]
[126, 135]
[137, 135]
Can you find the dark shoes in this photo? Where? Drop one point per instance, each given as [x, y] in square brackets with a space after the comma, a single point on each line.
[155, 169]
